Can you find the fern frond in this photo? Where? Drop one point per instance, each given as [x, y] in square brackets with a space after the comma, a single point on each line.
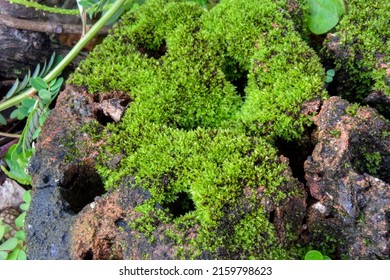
[38, 72]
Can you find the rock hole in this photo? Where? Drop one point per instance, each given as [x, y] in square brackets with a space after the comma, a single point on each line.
[271, 217]
[120, 223]
[297, 152]
[154, 53]
[329, 216]
[80, 186]
[46, 179]
[110, 107]
[102, 118]
[181, 205]
[236, 75]
[88, 255]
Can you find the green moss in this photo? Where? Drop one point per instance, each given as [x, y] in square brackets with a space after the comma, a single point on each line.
[210, 91]
[363, 47]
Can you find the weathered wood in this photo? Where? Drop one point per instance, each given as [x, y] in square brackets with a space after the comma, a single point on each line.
[20, 50]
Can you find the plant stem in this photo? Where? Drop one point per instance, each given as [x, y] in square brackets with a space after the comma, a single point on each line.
[10, 135]
[69, 57]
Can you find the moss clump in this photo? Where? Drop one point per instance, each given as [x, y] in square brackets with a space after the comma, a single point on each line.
[187, 68]
[220, 171]
[361, 47]
[173, 74]
[211, 91]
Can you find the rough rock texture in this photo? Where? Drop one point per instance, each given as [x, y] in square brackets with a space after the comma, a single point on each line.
[63, 173]
[348, 176]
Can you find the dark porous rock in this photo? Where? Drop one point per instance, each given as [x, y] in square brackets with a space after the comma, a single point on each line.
[348, 176]
[63, 173]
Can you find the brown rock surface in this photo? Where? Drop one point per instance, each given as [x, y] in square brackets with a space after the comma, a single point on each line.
[348, 176]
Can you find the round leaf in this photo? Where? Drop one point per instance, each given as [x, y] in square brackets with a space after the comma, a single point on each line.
[44, 94]
[314, 255]
[24, 206]
[328, 79]
[29, 102]
[9, 244]
[331, 72]
[323, 15]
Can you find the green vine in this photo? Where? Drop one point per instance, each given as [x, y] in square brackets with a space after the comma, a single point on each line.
[37, 6]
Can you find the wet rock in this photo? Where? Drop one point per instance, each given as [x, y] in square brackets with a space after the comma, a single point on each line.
[348, 176]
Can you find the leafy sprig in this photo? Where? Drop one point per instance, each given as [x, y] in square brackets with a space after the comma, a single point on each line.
[33, 102]
[14, 248]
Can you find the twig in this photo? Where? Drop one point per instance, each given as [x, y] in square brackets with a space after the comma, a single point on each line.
[10, 135]
[46, 27]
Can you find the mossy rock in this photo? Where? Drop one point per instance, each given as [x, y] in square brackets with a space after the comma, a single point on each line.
[360, 49]
[211, 91]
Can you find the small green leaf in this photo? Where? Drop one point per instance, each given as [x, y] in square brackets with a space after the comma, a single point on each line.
[25, 81]
[57, 84]
[24, 111]
[9, 244]
[2, 230]
[314, 255]
[29, 102]
[24, 206]
[331, 72]
[326, 258]
[20, 235]
[43, 117]
[22, 255]
[13, 255]
[3, 255]
[38, 83]
[36, 71]
[19, 221]
[50, 63]
[27, 197]
[19, 113]
[328, 79]
[12, 89]
[36, 133]
[3, 121]
[44, 94]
